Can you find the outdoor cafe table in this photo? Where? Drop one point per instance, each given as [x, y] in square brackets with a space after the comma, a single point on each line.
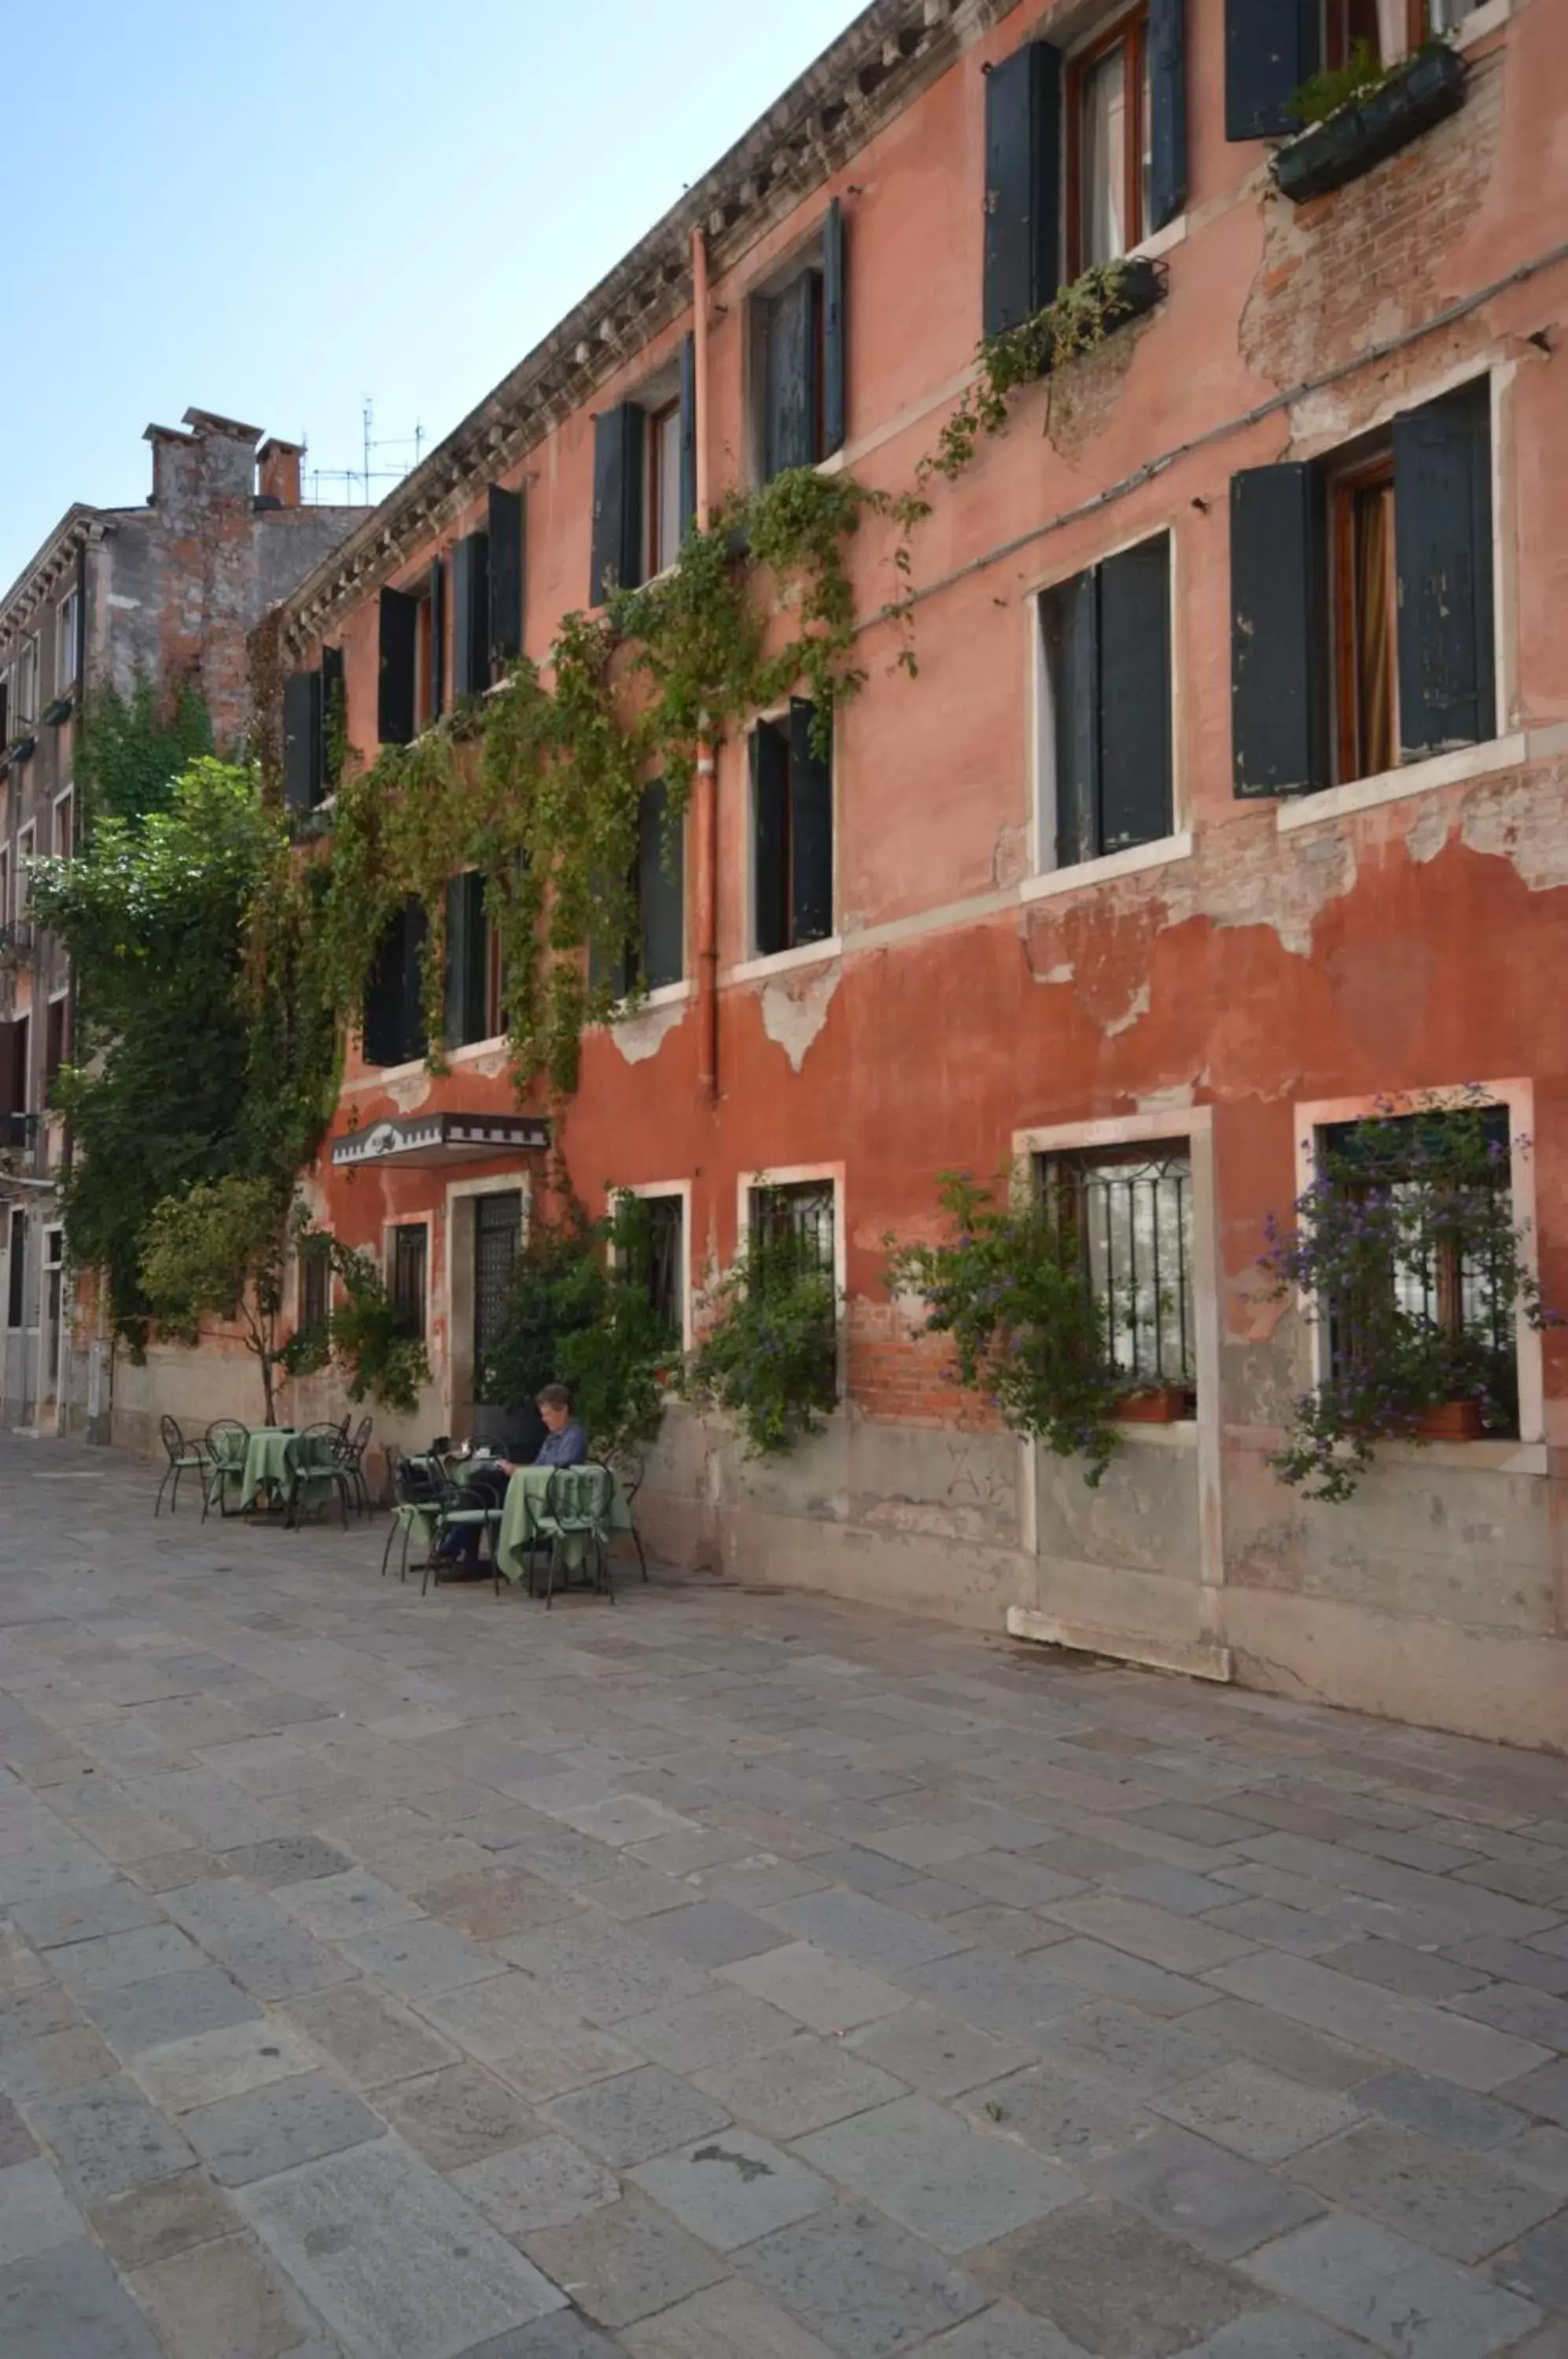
[266, 1469]
[520, 1515]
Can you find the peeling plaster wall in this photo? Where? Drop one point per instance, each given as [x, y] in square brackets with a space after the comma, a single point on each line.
[1411, 943]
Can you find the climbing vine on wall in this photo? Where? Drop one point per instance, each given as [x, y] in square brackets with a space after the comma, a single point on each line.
[538, 785]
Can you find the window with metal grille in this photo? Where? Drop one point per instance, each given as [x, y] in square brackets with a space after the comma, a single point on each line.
[410, 1253]
[665, 1245]
[17, 1272]
[315, 1286]
[792, 1225]
[1132, 1214]
[498, 1234]
[1453, 1287]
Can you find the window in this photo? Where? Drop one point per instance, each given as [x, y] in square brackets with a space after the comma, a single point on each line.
[393, 1029]
[1108, 119]
[473, 968]
[659, 1243]
[410, 1253]
[17, 1272]
[658, 884]
[24, 697]
[1361, 603]
[57, 1038]
[1106, 129]
[1132, 1214]
[54, 1271]
[645, 480]
[792, 1223]
[314, 1284]
[67, 628]
[662, 505]
[64, 822]
[5, 884]
[1272, 47]
[792, 833]
[1384, 31]
[487, 580]
[1106, 649]
[15, 1071]
[1406, 1174]
[799, 358]
[24, 842]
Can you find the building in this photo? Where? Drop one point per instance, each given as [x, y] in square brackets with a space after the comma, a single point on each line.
[1229, 803]
[166, 592]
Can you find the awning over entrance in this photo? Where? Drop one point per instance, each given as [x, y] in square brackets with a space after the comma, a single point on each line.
[421, 1141]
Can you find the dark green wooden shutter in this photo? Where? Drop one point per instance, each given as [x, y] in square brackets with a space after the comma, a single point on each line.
[660, 888]
[505, 578]
[334, 717]
[5, 714]
[302, 740]
[1168, 110]
[395, 694]
[770, 837]
[1443, 541]
[618, 436]
[1023, 184]
[467, 960]
[1279, 646]
[836, 332]
[413, 1038]
[382, 1031]
[437, 637]
[1069, 618]
[1272, 47]
[811, 829]
[688, 435]
[471, 616]
[1135, 696]
[792, 438]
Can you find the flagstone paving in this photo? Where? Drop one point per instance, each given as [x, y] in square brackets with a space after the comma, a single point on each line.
[729, 1975]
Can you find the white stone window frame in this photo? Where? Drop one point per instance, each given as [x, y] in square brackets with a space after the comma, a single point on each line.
[791, 1175]
[425, 1219]
[1192, 1125]
[1046, 878]
[1527, 1454]
[455, 1300]
[757, 966]
[66, 795]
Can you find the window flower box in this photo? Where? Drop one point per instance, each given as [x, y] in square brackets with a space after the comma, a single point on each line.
[1428, 87]
[1154, 1405]
[1455, 1420]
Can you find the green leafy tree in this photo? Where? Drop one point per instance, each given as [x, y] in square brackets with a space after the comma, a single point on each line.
[1007, 1283]
[580, 1313]
[770, 1354]
[133, 748]
[218, 1253]
[154, 914]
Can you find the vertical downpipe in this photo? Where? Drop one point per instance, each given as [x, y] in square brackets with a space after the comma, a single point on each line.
[705, 809]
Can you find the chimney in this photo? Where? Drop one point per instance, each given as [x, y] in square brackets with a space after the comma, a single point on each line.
[278, 483]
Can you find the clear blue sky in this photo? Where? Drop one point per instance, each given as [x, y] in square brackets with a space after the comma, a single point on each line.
[275, 211]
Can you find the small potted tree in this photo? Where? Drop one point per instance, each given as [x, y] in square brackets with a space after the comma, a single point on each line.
[1406, 1256]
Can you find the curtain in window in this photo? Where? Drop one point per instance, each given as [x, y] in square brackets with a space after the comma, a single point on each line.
[1103, 131]
[1372, 621]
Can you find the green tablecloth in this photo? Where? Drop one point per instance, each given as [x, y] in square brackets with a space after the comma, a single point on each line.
[225, 1476]
[266, 1469]
[520, 1521]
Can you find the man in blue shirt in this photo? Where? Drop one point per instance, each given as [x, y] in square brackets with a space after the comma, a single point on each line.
[565, 1443]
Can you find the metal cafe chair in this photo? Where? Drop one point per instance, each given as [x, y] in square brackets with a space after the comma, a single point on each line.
[351, 1453]
[310, 1456]
[418, 1486]
[460, 1506]
[184, 1457]
[627, 1466]
[227, 1444]
[577, 1504]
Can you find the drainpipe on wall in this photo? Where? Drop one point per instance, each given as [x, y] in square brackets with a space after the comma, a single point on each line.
[704, 805]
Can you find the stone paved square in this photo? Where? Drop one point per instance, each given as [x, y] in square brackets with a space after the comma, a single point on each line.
[843, 1986]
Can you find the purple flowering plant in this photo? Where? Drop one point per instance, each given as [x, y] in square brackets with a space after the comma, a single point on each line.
[1406, 1252]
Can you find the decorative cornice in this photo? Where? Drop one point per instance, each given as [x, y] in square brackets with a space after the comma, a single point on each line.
[35, 584]
[869, 75]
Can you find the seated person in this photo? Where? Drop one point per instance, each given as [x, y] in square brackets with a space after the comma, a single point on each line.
[565, 1443]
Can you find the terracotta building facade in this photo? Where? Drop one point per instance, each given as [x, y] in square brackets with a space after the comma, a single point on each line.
[1230, 801]
[166, 593]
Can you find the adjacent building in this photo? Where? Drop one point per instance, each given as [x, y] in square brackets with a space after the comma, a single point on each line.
[168, 593]
[1229, 803]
